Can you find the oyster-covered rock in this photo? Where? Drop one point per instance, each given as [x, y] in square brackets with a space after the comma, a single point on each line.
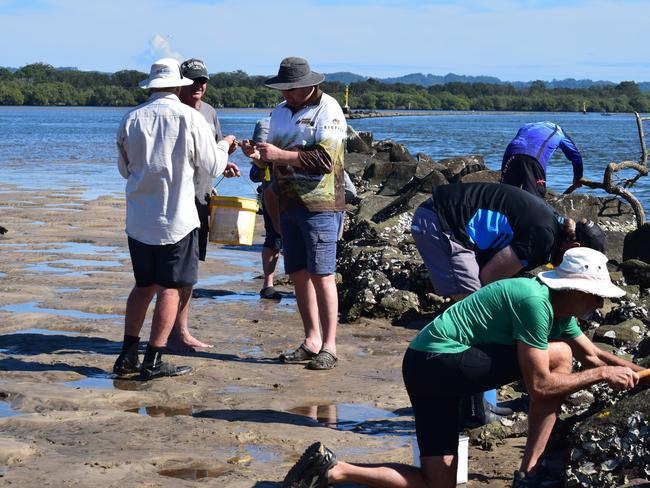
[612, 445]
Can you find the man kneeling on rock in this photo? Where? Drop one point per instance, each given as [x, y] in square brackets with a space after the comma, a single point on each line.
[519, 328]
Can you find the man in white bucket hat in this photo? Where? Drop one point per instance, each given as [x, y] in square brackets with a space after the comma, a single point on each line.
[161, 144]
[519, 328]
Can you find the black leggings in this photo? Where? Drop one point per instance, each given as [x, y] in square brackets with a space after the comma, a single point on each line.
[436, 384]
[526, 173]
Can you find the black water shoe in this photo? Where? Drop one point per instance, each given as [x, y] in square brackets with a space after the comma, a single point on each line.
[163, 369]
[270, 293]
[154, 367]
[127, 362]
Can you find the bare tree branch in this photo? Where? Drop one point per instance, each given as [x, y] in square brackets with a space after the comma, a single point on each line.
[614, 189]
[621, 189]
[644, 149]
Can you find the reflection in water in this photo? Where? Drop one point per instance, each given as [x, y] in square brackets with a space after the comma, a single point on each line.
[364, 419]
[324, 414]
[32, 307]
[96, 263]
[6, 410]
[46, 268]
[162, 411]
[221, 279]
[45, 332]
[67, 290]
[261, 453]
[194, 474]
[107, 381]
[252, 351]
[77, 248]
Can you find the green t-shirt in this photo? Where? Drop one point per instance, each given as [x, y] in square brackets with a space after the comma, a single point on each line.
[503, 312]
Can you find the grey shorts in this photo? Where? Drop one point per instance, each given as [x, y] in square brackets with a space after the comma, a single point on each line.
[453, 269]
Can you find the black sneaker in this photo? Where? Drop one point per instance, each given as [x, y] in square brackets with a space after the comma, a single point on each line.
[162, 369]
[127, 363]
[311, 469]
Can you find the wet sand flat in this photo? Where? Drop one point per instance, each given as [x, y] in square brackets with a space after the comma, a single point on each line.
[240, 420]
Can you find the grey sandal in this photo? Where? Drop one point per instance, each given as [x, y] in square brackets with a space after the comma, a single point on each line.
[324, 360]
[303, 353]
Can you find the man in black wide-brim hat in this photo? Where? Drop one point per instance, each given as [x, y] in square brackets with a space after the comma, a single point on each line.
[305, 147]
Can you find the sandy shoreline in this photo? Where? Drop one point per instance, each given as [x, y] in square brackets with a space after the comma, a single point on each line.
[240, 420]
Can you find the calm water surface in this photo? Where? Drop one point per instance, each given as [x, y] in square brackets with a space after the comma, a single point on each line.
[68, 148]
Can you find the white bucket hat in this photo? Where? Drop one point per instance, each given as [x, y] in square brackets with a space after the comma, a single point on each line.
[585, 270]
[165, 73]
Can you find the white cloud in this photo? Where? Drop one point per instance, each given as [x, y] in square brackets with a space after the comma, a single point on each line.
[160, 47]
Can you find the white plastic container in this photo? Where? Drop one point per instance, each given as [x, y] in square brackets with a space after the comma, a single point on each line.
[463, 456]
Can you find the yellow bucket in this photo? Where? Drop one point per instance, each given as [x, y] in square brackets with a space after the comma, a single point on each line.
[232, 220]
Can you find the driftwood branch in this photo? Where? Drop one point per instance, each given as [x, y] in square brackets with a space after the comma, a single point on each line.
[621, 190]
[639, 126]
[613, 189]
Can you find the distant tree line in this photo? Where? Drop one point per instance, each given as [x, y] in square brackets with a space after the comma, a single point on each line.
[42, 84]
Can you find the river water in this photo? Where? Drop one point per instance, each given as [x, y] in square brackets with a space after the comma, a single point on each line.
[74, 147]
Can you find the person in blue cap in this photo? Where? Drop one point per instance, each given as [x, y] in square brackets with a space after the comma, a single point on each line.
[526, 158]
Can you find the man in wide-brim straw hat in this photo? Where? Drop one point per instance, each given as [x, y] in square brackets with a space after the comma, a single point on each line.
[519, 328]
[161, 144]
[305, 147]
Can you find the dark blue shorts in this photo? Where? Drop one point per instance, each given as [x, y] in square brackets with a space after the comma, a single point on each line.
[309, 240]
[169, 265]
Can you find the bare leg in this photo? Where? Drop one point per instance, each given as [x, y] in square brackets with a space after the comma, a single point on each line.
[327, 301]
[164, 315]
[180, 338]
[269, 261]
[308, 308]
[136, 309]
[437, 471]
[272, 207]
[542, 414]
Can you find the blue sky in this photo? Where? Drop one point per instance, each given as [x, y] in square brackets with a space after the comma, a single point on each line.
[515, 40]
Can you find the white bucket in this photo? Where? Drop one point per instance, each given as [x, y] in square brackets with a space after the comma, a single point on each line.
[232, 220]
[463, 456]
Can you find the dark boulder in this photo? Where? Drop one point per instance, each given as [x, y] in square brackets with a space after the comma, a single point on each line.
[399, 153]
[390, 176]
[636, 272]
[637, 244]
[458, 167]
[356, 143]
[355, 163]
[483, 176]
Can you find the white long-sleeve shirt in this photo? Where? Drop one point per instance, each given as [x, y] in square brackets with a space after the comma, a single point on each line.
[161, 143]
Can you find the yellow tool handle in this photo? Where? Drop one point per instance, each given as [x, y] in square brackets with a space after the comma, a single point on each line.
[644, 374]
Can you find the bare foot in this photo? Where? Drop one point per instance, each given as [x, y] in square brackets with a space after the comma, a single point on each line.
[187, 343]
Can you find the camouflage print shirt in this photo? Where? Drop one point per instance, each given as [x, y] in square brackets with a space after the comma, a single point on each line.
[318, 130]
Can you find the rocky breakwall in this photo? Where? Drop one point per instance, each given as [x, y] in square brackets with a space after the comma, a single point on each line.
[382, 275]
[381, 272]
